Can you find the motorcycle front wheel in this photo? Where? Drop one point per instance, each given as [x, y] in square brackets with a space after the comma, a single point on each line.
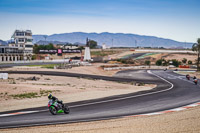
[66, 109]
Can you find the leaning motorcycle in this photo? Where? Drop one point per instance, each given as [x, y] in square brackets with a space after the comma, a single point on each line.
[55, 107]
[195, 81]
[188, 77]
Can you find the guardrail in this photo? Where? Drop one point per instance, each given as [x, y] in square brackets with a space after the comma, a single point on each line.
[135, 67]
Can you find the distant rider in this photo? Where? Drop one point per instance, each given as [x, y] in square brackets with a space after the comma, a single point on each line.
[51, 97]
[188, 76]
[195, 80]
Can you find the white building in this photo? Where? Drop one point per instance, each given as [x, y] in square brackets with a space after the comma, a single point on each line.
[71, 46]
[104, 46]
[20, 48]
[23, 40]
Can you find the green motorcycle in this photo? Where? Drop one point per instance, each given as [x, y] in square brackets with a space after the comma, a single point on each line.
[55, 107]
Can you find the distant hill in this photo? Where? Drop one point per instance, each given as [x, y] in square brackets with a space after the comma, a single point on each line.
[3, 42]
[41, 42]
[119, 39]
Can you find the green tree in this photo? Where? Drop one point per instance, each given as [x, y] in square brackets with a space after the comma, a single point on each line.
[92, 44]
[196, 48]
[161, 62]
[37, 48]
[184, 60]
[49, 46]
[147, 62]
[176, 62]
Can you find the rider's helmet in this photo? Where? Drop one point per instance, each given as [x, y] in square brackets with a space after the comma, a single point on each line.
[50, 96]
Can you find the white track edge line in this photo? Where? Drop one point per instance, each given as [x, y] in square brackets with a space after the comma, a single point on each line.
[148, 71]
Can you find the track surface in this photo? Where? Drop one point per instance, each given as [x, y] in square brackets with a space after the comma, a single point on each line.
[134, 55]
[172, 91]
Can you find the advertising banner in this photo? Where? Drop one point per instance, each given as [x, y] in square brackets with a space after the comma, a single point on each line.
[60, 51]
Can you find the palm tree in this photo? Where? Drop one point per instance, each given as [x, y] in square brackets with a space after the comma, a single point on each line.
[196, 47]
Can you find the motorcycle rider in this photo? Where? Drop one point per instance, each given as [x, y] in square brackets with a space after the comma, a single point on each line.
[188, 76]
[51, 97]
[195, 80]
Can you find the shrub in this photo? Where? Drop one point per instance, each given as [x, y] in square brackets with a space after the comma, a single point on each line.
[184, 60]
[190, 62]
[161, 62]
[126, 61]
[176, 62]
[25, 95]
[147, 62]
[34, 57]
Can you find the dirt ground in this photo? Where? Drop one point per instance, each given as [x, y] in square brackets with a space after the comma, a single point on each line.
[66, 88]
[94, 69]
[180, 57]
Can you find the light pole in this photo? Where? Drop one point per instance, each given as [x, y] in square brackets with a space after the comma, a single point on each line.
[112, 45]
[45, 37]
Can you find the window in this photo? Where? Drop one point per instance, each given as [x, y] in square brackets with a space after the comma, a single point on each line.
[19, 33]
[28, 34]
[28, 46]
[29, 40]
[21, 40]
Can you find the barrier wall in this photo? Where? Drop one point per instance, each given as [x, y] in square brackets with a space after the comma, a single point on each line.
[3, 75]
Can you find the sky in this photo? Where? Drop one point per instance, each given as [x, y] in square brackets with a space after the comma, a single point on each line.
[172, 19]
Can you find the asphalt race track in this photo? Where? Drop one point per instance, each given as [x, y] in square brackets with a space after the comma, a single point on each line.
[135, 55]
[172, 91]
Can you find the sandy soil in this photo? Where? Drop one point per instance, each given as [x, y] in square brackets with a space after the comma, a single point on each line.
[94, 69]
[181, 56]
[186, 121]
[122, 54]
[66, 88]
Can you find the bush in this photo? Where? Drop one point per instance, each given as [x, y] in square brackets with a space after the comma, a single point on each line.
[147, 62]
[161, 62]
[34, 57]
[176, 62]
[190, 62]
[126, 61]
[25, 95]
[184, 60]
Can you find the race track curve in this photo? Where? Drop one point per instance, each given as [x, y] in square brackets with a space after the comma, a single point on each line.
[172, 91]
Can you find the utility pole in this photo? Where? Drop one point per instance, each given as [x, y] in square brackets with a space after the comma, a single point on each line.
[135, 43]
[45, 37]
[112, 45]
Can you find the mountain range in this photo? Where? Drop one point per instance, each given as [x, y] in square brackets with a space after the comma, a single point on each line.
[3, 42]
[111, 39]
